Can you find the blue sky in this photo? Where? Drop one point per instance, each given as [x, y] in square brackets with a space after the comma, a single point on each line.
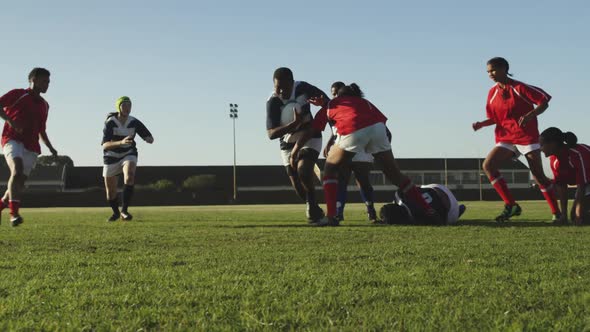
[183, 62]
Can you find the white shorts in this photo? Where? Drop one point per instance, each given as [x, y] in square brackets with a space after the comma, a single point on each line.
[117, 168]
[314, 144]
[363, 157]
[14, 149]
[453, 214]
[520, 149]
[372, 139]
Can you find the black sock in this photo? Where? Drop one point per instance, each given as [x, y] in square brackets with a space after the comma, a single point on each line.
[127, 194]
[114, 203]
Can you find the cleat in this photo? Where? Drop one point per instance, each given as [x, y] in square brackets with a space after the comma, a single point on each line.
[462, 209]
[314, 213]
[126, 216]
[372, 215]
[509, 212]
[326, 221]
[378, 222]
[114, 217]
[340, 217]
[556, 219]
[15, 221]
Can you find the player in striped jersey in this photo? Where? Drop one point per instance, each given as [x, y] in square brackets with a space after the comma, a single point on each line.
[570, 163]
[513, 107]
[120, 155]
[405, 212]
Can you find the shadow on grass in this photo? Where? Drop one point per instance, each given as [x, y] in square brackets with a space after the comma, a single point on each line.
[493, 224]
[466, 223]
[295, 226]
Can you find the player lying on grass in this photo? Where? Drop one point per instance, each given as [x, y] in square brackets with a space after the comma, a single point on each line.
[570, 163]
[286, 125]
[405, 212]
[25, 114]
[361, 128]
[120, 155]
[513, 107]
[361, 166]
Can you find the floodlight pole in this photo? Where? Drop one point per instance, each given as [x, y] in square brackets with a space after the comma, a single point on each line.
[233, 114]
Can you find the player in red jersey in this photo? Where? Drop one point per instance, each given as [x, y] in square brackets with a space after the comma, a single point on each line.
[25, 114]
[361, 167]
[570, 165]
[361, 128]
[513, 107]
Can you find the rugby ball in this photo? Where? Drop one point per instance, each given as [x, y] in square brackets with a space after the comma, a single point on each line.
[288, 112]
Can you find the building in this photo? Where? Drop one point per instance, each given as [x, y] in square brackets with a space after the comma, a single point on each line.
[83, 186]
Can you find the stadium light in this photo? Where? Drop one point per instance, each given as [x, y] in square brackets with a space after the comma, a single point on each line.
[233, 114]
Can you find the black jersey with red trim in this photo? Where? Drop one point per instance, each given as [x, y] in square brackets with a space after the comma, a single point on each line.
[302, 91]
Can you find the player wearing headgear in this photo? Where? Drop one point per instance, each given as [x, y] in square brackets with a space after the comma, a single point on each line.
[513, 107]
[25, 114]
[288, 115]
[361, 128]
[120, 155]
[570, 163]
[361, 167]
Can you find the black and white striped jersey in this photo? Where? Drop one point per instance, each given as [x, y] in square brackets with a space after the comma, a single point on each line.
[302, 91]
[114, 130]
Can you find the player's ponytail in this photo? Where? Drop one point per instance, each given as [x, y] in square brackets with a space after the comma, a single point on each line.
[570, 139]
[555, 135]
[352, 90]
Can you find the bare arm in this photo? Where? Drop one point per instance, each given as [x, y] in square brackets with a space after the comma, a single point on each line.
[485, 123]
[5, 117]
[579, 201]
[563, 200]
[534, 113]
[43, 136]
[116, 144]
[278, 132]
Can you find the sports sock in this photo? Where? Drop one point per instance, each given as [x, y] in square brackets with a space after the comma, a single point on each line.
[330, 195]
[367, 197]
[114, 204]
[501, 187]
[341, 197]
[14, 206]
[549, 194]
[127, 195]
[411, 192]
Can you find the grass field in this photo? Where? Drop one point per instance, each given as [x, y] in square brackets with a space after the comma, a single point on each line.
[260, 267]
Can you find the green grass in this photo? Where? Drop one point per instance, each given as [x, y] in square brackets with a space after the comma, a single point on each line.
[260, 267]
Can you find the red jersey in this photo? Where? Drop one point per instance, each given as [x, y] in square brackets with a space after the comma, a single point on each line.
[563, 173]
[506, 106]
[28, 112]
[579, 160]
[347, 115]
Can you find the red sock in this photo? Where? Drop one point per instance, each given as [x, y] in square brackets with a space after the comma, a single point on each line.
[411, 192]
[14, 206]
[549, 195]
[502, 188]
[331, 195]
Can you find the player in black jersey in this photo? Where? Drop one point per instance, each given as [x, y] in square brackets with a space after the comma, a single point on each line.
[120, 155]
[404, 212]
[284, 124]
